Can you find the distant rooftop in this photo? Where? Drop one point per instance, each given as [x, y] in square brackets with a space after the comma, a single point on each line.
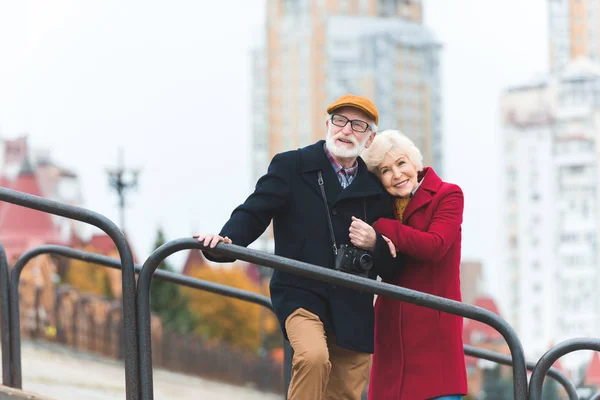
[403, 31]
[578, 69]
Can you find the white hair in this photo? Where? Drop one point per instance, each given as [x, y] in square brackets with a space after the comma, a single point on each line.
[372, 124]
[392, 142]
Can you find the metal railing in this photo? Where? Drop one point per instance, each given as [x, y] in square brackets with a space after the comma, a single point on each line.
[128, 279]
[115, 264]
[260, 300]
[322, 274]
[545, 362]
[138, 353]
[4, 319]
[506, 360]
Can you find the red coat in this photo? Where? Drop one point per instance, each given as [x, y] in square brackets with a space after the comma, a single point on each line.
[419, 351]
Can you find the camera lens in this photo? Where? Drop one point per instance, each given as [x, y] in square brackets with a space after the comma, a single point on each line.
[365, 262]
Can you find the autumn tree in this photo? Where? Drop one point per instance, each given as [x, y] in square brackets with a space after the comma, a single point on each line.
[88, 277]
[168, 301]
[234, 321]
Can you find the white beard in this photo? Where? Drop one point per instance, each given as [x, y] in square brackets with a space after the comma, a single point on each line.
[343, 152]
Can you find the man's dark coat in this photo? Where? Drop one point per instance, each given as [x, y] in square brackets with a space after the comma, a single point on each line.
[289, 195]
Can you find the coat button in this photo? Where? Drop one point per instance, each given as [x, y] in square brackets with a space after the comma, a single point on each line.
[334, 211]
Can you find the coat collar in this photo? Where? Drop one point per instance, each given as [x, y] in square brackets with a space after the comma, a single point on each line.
[430, 184]
[313, 158]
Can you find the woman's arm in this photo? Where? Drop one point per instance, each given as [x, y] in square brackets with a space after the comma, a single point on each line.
[433, 244]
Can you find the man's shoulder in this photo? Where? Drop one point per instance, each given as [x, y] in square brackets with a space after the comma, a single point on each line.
[292, 156]
[370, 175]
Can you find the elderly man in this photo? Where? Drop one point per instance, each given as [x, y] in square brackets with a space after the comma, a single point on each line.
[319, 198]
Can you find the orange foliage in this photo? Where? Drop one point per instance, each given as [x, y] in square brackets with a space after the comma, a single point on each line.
[90, 278]
[228, 319]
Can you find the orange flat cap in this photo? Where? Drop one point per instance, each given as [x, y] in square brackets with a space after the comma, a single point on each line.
[360, 102]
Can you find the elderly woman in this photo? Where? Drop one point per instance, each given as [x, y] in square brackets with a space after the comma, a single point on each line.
[418, 351]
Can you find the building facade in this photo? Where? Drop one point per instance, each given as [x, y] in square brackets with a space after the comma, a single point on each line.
[317, 50]
[573, 31]
[551, 218]
[313, 51]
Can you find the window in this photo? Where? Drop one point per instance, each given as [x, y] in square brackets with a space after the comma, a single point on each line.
[388, 8]
[292, 7]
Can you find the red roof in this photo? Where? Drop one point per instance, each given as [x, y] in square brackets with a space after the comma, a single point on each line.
[3, 183]
[22, 228]
[104, 245]
[194, 260]
[15, 150]
[75, 241]
[477, 332]
[592, 375]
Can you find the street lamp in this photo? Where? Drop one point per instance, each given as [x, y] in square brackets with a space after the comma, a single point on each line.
[122, 180]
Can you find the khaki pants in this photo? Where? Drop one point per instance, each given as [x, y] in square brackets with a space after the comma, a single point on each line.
[322, 370]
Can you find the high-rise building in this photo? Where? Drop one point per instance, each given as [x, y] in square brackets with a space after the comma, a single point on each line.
[574, 31]
[552, 213]
[316, 50]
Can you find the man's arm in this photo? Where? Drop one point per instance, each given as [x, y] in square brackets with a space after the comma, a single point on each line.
[384, 263]
[271, 196]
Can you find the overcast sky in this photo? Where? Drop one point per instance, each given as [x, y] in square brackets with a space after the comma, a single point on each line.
[170, 80]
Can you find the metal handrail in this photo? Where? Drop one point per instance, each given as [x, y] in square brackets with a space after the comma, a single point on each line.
[128, 278]
[545, 362]
[322, 274]
[115, 264]
[265, 302]
[4, 318]
[504, 359]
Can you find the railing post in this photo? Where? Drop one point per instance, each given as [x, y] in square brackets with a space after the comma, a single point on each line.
[550, 357]
[5, 319]
[506, 360]
[128, 282]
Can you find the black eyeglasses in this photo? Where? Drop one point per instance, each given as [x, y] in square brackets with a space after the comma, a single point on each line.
[356, 124]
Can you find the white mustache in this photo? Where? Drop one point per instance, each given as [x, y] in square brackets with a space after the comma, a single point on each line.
[348, 138]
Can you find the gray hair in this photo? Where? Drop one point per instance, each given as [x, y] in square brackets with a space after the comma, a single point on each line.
[391, 142]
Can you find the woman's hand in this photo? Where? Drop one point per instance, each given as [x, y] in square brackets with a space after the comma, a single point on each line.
[391, 245]
[362, 235]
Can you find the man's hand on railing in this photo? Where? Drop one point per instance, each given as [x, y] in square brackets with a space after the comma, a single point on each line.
[211, 241]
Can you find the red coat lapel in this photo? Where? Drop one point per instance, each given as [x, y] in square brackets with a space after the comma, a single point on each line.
[429, 186]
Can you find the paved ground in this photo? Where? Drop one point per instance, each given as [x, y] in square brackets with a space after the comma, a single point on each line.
[64, 374]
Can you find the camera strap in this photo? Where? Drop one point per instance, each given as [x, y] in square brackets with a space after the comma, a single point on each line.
[320, 181]
[321, 185]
